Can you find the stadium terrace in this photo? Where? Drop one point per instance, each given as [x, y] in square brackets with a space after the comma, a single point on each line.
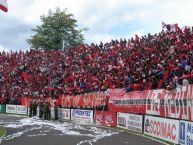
[163, 60]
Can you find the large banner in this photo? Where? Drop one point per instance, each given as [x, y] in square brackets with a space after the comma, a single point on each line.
[130, 122]
[173, 104]
[120, 101]
[186, 133]
[162, 128]
[88, 100]
[64, 114]
[105, 118]
[85, 116]
[16, 109]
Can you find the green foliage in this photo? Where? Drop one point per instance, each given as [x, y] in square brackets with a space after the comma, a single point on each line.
[56, 27]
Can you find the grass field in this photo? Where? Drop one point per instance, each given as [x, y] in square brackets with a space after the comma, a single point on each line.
[2, 132]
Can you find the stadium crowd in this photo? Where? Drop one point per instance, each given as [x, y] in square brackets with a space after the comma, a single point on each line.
[163, 60]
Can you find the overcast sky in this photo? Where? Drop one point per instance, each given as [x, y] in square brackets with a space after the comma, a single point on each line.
[106, 19]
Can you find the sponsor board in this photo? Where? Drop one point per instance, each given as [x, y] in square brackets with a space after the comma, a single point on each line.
[82, 115]
[162, 128]
[130, 121]
[105, 118]
[2, 108]
[16, 109]
[186, 133]
[122, 120]
[64, 114]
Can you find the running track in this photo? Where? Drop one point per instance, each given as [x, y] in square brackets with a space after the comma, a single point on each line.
[33, 131]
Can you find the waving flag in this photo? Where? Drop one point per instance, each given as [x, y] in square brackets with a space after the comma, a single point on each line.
[3, 5]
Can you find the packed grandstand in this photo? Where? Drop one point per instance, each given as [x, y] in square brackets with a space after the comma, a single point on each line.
[162, 60]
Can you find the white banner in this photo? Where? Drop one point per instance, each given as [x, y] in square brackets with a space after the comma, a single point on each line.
[186, 133]
[64, 114]
[163, 128]
[11, 109]
[130, 121]
[82, 115]
[16, 109]
[21, 110]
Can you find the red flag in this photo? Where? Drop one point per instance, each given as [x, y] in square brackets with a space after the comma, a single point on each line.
[3, 5]
[25, 75]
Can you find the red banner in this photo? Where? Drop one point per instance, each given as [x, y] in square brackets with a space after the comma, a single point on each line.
[174, 104]
[105, 118]
[88, 100]
[127, 102]
[25, 101]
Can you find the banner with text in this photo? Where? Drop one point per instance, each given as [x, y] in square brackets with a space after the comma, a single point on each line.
[174, 104]
[105, 118]
[186, 133]
[85, 116]
[87, 100]
[130, 122]
[64, 114]
[16, 109]
[162, 128]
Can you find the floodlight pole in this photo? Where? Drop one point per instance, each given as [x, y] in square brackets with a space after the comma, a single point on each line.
[63, 45]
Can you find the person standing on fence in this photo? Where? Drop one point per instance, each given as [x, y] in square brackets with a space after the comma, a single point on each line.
[41, 108]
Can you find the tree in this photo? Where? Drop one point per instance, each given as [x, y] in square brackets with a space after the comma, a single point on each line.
[57, 28]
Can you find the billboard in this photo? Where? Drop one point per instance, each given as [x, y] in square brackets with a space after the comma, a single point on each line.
[64, 114]
[131, 122]
[16, 109]
[105, 118]
[186, 133]
[162, 128]
[82, 115]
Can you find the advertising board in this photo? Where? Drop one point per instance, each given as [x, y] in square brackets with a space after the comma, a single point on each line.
[82, 115]
[131, 122]
[186, 133]
[162, 128]
[105, 118]
[64, 114]
[16, 109]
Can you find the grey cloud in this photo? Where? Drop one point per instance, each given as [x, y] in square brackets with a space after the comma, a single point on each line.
[13, 33]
